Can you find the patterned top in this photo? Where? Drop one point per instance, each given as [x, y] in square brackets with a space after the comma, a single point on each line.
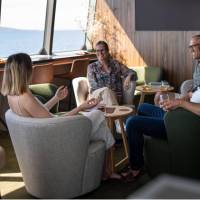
[113, 80]
[196, 76]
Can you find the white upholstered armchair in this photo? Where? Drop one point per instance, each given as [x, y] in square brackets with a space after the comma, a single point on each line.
[81, 91]
[55, 155]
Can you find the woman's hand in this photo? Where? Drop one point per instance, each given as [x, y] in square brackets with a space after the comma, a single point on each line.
[127, 82]
[89, 104]
[171, 104]
[61, 93]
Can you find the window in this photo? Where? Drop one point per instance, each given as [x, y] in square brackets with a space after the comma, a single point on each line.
[70, 25]
[22, 26]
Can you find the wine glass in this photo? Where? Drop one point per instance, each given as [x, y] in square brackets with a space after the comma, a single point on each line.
[163, 97]
[177, 96]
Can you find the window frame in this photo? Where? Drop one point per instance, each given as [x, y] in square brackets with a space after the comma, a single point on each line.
[47, 47]
[49, 28]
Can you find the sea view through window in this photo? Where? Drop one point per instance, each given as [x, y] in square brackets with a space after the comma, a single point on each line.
[21, 30]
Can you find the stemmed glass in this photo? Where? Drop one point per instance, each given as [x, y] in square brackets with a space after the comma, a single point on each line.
[163, 97]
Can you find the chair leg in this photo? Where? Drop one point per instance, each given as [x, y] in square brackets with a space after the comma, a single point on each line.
[4, 124]
[70, 94]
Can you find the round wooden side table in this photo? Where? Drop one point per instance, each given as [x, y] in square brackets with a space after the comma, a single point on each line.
[113, 113]
[147, 90]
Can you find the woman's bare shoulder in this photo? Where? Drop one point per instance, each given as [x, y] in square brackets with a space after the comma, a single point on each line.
[27, 100]
[33, 107]
[27, 96]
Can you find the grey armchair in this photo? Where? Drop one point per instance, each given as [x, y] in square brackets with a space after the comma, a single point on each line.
[55, 155]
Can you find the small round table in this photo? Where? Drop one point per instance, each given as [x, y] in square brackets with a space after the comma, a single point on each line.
[113, 113]
[147, 90]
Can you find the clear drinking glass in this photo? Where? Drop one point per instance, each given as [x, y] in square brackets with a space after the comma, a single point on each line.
[165, 85]
[163, 97]
[173, 95]
[177, 96]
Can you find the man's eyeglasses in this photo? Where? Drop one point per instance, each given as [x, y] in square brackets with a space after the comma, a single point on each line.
[194, 45]
[100, 50]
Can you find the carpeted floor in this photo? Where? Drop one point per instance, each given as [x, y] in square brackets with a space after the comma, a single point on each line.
[12, 185]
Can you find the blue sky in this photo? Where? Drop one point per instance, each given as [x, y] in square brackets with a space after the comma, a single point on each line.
[29, 14]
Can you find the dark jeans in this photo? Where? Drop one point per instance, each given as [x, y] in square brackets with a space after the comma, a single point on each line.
[149, 121]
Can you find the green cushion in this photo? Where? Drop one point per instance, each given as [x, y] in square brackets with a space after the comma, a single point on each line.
[140, 70]
[44, 92]
[47, 90]
[140, 82]
[153, 74]
[147, 74]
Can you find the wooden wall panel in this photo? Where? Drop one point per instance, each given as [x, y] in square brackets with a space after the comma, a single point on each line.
[166, 49]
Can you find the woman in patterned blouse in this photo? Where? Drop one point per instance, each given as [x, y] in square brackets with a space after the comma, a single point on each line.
[105, 75]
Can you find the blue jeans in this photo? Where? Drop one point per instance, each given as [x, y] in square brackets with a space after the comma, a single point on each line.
[149, 121]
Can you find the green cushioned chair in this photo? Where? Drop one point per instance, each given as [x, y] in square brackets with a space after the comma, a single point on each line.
[147, 74]
[180, 153]
[45, 92]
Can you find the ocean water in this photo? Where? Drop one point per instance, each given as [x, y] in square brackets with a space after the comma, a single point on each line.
[31, 41]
